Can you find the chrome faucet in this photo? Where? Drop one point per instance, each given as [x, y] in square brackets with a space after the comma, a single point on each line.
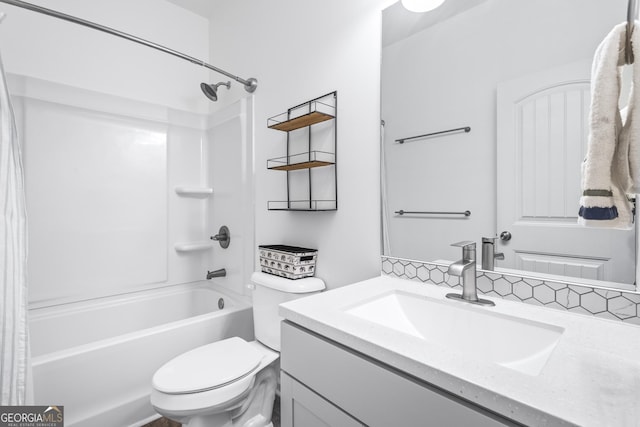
[489, 254]
[466, 270]
[216, 273]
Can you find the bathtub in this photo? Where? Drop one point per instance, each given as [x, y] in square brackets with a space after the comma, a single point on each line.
[97, 358]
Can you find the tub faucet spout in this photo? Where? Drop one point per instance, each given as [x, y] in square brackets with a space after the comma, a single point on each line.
[466, 270]
[216, 273]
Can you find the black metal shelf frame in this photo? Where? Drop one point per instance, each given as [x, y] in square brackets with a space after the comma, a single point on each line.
[316, 111]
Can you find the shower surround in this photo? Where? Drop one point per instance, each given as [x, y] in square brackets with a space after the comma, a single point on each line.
[122, 197]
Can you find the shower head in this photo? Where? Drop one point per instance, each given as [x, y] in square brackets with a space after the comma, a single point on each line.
[211, 90]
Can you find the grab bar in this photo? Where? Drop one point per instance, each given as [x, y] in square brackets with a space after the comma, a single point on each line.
[403, 212]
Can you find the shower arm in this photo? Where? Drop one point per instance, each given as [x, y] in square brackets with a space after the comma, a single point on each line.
[250, 85]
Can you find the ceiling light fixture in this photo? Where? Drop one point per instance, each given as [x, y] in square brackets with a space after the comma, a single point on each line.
[421, 5]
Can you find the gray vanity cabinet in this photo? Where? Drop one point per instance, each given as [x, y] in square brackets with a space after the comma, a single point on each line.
[303, 407]
[327, 384]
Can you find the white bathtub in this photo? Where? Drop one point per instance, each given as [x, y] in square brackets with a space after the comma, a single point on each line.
[97, 358]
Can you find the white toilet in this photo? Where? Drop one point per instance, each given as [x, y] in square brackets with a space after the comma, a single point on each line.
[231, 382]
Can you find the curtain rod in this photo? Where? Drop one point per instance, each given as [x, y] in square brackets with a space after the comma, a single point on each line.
[250, 85]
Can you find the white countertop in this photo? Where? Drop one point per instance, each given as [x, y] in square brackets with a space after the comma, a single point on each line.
[592, 377]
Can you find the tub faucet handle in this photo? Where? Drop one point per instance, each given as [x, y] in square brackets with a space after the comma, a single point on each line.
[223, 237]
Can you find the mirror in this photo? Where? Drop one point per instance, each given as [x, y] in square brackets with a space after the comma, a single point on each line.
[517, 74]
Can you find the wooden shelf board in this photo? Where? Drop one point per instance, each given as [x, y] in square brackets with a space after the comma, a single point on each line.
[302, 121]
[303, 165]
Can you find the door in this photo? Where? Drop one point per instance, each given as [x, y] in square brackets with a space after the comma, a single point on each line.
[542, 140]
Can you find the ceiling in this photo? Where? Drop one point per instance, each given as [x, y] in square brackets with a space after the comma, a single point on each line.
[398, 23]
[203, 8]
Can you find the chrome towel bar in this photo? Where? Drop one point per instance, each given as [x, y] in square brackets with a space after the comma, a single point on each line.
[466, 129]
[403, 212]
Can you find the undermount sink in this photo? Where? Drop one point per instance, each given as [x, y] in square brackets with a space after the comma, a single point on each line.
[476, 332]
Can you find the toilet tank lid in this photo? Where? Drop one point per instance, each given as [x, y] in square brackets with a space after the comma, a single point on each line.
[298, 286]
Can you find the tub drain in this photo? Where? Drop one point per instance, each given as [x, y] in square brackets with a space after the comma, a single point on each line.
[221, 303]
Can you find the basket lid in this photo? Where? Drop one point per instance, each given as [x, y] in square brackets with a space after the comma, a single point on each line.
[298, 286]
[287, 248]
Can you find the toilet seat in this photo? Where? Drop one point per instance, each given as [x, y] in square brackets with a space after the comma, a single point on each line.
[209, 367]
[221, 397]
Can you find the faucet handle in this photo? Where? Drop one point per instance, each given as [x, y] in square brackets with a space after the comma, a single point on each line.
[490, 239]
[468, 249]
[465, 244]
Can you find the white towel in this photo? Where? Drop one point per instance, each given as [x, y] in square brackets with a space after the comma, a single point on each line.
[610, 170]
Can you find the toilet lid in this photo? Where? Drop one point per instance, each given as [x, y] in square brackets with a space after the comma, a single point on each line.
[207, 367]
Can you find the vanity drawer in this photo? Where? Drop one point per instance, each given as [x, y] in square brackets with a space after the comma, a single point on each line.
[371, 392]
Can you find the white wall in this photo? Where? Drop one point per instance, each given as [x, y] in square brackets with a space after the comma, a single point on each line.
[299, 50]
[445, 77]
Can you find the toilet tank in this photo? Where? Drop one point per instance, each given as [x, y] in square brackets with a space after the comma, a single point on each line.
[269, 292]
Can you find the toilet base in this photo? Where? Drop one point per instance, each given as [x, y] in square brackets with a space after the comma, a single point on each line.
[251, 409]
[218, 420]
[221, 420]
[235, 405]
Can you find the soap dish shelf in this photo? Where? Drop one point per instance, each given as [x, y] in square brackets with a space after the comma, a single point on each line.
[193, 246]
[200, 192]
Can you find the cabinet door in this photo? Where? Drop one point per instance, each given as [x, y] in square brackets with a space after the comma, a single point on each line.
[301, 407]
[374, 393]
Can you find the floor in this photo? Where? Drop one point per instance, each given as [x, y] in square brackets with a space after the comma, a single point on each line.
[275, 417]
[164, 422]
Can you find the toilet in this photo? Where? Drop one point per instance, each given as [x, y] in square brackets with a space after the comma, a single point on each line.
[232, 382]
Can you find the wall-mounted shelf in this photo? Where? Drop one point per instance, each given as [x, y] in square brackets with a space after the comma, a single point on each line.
[302, 205]
[306, 116]
[308, 160]
[318, 112]
[193, 246]
[194, 191]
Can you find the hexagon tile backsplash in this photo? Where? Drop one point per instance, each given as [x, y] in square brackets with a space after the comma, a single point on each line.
[608, 304]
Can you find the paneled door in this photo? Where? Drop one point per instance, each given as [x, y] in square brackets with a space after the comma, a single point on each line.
[542, 135]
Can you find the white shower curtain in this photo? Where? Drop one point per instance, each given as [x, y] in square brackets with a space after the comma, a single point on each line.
[14, 336]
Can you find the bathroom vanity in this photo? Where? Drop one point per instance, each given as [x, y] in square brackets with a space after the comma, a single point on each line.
[389, 351]
[321, 376]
